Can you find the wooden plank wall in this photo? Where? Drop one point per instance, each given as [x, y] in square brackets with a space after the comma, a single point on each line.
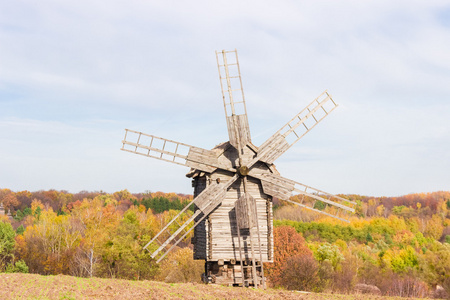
[224, 236]
[216, 237]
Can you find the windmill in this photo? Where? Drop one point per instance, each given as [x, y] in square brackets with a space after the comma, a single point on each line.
[234, 186]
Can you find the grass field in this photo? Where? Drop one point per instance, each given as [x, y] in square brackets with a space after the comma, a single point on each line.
[31, 286]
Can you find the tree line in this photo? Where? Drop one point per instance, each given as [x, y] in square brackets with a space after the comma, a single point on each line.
[402, 249]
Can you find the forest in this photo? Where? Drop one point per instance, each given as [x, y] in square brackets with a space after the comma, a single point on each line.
[398, 245]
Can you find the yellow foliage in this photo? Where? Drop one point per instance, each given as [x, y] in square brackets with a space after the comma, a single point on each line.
[107, 199]
[359, 223]
[123, 195]
[397, 223]
[180, 266]
[142, 208]
[342, 245]
[434, 227]
[35, 204]
[404, 237]
[380, 210]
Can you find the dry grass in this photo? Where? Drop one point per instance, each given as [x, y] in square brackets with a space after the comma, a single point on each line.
[32, 286]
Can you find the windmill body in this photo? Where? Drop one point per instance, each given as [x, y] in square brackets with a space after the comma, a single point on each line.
[219, 239]
[234, 185]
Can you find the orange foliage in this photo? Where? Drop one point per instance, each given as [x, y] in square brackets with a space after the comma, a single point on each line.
[10, 201]
[287, 244]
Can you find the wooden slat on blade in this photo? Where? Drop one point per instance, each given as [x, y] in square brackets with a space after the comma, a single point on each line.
[157, 147]
[273, 148]
[211, 197]
[276, 186]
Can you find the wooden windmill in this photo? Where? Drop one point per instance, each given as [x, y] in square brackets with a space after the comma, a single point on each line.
[234, 185]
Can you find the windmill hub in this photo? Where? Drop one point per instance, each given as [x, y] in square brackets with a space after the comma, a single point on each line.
[243, 170]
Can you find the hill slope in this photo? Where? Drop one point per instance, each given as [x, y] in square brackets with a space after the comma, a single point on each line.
[32, 286]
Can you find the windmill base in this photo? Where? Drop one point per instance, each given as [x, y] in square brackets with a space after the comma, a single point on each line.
[230, 273]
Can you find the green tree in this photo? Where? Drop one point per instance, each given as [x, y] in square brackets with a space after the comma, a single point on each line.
[329, 252]
[7, 243]
[401, 260]
[369, 238]
[123, 255]
[20, 230]
[319, 205]
[18, 267]
[435, 265]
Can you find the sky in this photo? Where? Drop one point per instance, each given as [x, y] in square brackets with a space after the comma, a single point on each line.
[75, 74]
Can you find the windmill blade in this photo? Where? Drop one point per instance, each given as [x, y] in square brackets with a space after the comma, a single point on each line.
[282, 188]
[233, 98]
[206, 202]
[296, 128]
[171, 151]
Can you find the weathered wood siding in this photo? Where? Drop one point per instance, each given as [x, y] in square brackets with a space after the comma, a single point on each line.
[217, 237]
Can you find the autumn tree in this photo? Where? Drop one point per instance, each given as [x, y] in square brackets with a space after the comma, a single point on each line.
[344, 277]
[10, 201]
[434, 227]
[180, 266]
[287, 244]
[435, 265]
[123, 255]
[99, 222]
[47, 246]
[329, 252]
[90, 215]
[24, 198]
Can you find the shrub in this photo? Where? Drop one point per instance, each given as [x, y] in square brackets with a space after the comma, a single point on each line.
[344, 278]
[329, 252]
[18, 267]
[300, 273]
[180, 266]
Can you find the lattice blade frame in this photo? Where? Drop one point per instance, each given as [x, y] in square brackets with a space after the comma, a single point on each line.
[284, 189]
[206, 202]
[171, 151]
[296, 128]
[233, 98]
